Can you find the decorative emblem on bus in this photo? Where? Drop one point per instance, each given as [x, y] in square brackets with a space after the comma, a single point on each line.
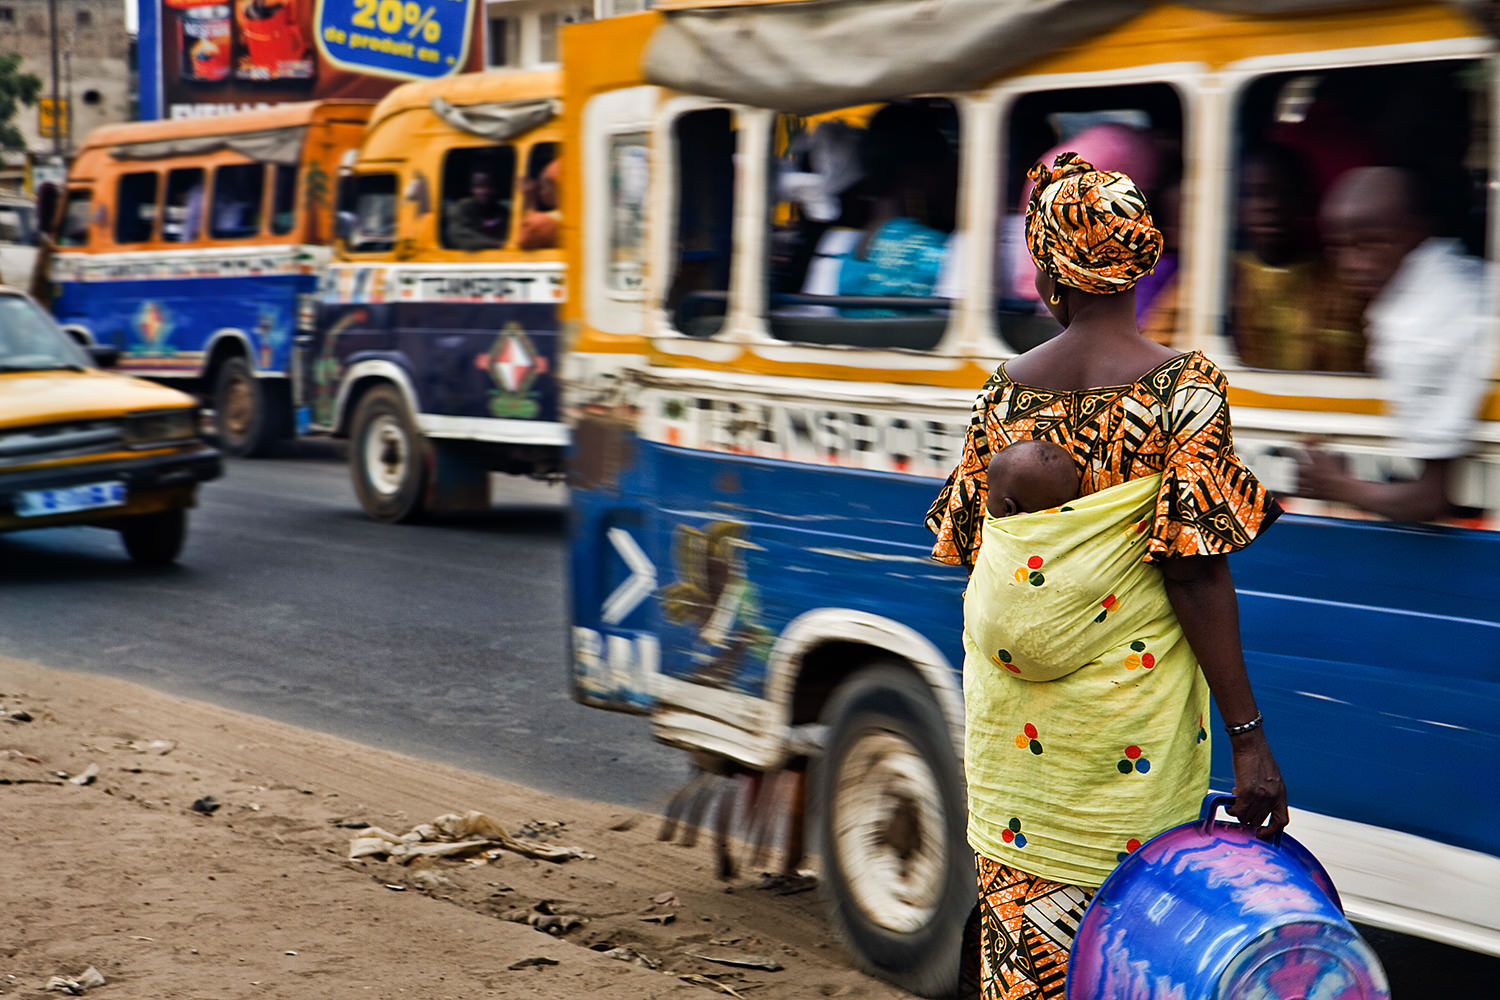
[513, 364]
[153, 326]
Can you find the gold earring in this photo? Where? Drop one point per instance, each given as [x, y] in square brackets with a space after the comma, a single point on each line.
[1056, 299]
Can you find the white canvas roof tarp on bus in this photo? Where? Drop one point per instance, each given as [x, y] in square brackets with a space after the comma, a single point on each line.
[817, 55]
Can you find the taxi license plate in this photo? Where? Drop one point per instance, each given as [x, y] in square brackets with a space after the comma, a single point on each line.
[39, 503]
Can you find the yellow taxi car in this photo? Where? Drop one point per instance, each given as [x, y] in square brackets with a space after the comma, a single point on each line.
[79, 445]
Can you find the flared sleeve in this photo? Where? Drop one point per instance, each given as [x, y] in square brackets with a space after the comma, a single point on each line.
[1210, 502]
[956, 517]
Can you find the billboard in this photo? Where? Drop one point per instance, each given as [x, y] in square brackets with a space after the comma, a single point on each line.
[203, 57]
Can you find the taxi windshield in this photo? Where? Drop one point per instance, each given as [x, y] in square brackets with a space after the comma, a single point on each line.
[31, 341]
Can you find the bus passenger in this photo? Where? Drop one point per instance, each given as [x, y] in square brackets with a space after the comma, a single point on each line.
[1432, 337]
[1065, 691]
[914, 178]
[481, 220]
[1287, 310]
[539, 210]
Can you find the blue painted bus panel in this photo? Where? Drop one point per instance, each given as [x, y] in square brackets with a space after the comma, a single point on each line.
[167, 323]
[496, 360]
[1380, 684]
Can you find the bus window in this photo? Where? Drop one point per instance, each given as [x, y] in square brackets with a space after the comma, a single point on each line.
[477, 186]
[135, 207]
[864, 247]
[182, 216]
[284, 200]
[1285, 307]
[239, 196]
[629, 174]
[698, 294]
[367, 212]
[540, 213]
[73, 229]
[1135, 129]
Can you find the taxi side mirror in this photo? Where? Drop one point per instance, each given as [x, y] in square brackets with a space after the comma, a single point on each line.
[103, 355]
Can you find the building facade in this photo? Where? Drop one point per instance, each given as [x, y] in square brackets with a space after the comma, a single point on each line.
[94, 66]
[523, 34]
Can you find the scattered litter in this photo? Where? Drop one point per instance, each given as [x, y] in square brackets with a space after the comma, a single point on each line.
[788, 885]
[623, 954]
[546, 919]
[453, 835]
[293, 953]
[74, 986]
[21, 754]
[87, 777]
[205, 805]
[540, 828]
[660, 918]
[349, 824]
[158, 747]
[432, 881]
[666, 899]
[705, 981]
[528, 963]
[395, 888]
[139, 937]
[738, 959]
[21, 716]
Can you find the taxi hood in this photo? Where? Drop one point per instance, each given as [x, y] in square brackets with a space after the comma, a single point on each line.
[32, 398]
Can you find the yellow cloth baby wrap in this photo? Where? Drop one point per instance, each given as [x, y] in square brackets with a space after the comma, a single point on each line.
[1086, 712]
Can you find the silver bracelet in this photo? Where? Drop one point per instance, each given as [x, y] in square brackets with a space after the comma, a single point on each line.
[1248, 727]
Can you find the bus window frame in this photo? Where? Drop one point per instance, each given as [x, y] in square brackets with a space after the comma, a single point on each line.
[737, 328]
[515, 149]
[152, 235]
[211, 204]
[298, 172]
[1187, 80]
[387, 168]
[168, 176]
[960, 333]
[69, 198]
[1235, 78]
[606, 118]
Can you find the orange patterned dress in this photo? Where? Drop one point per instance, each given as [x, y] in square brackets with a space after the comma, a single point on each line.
[1173, 420]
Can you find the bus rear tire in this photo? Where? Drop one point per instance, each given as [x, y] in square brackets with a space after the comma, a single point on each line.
[387, 458]
[245, 418]
[890, 829]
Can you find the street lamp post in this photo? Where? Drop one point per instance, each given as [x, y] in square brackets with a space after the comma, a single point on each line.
[56, 105]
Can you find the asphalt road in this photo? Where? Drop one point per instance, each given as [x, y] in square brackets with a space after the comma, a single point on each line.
[444, 641]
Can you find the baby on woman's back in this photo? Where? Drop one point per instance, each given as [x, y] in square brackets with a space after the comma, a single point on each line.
[1029, 476]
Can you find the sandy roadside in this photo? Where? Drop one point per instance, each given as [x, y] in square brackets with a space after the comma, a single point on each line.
[259, 897]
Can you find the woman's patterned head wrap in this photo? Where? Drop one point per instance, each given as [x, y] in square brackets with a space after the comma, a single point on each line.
[1090, 229]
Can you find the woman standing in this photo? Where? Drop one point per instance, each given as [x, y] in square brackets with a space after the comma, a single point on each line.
[1095, 632]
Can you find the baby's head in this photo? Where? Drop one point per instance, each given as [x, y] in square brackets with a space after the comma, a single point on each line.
[1029, 476]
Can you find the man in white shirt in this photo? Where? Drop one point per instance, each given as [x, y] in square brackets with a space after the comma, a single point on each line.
[1431, 335]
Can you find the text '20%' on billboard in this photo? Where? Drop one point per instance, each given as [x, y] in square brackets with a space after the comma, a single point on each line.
[245, 53]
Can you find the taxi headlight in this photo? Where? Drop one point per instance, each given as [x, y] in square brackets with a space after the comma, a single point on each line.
[166, 427]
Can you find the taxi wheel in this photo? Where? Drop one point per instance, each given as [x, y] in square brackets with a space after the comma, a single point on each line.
[387, 457]
[242, 418]
[890, 828]
[155, 539]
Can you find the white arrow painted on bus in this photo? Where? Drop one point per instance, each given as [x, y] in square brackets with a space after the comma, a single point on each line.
[638, 586]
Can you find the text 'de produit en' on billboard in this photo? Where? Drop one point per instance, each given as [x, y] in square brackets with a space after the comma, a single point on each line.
[396, 38]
